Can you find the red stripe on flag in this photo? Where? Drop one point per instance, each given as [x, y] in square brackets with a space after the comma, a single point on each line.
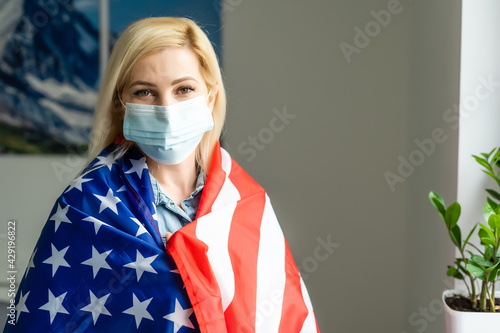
[294, 311]
[196, 270]
[243, 245]
[198, 277]
[213, 184]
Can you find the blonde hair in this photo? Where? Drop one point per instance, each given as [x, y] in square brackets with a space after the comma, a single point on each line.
[138, 40]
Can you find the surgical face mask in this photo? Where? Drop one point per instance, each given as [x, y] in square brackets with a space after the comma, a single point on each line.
[168, 134]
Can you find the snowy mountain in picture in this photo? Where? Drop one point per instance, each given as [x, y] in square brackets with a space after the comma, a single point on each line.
[48, 75]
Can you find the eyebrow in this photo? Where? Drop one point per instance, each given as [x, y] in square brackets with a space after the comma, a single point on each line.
[185, 78]
[149, 84]
[142, 83]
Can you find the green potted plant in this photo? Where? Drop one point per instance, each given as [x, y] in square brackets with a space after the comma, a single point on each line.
[474, 310]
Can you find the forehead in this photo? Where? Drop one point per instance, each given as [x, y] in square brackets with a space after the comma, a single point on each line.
[168, 64]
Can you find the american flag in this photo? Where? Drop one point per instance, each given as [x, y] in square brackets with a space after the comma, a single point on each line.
[100, 264]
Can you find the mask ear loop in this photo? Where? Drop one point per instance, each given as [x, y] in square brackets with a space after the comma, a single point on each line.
[122, 102]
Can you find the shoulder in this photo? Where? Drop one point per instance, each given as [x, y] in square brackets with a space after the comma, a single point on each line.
[237, 175]
[109, 190]
[105, 172]
[111, 160]
[106, 158]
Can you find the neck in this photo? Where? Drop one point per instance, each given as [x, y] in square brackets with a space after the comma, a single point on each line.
[178, 180]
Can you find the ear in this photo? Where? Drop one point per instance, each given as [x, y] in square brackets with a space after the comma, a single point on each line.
[213, 97]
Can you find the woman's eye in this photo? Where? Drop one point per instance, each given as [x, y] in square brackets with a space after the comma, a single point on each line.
[185, 90]
[143, 93]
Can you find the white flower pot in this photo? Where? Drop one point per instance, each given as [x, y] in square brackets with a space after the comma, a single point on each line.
[469, 322]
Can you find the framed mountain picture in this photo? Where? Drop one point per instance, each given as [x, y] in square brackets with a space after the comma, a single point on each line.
[50, 68]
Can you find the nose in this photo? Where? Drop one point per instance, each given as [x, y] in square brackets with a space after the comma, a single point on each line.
[165, 100]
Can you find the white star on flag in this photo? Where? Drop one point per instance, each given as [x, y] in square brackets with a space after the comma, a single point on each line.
[155, 215]
[97, 261]
[21, 305]
[97, 223]
[137, 166]
[60, 216]
[142, 265]
[121, 189]
[139, 310]
[108, 201]
[141, 230]
[31, 264]
[180, 317]
[54, 305]
[107, 160]
[57, 259]
[77, 183]
[96, 306]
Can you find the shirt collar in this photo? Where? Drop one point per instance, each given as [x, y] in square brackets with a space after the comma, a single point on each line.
[161, 196]
[200, 182]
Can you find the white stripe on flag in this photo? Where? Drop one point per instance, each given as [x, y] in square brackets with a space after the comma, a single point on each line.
[310, 322]
[213, 229]
[271, 277]
[229, 193]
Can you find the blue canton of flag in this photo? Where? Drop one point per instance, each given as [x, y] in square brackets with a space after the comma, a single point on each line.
[100, 264]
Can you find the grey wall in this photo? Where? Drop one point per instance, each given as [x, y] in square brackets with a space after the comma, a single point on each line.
[353, 121]
[324, 168]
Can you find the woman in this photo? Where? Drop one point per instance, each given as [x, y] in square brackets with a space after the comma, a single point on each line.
[163, 231]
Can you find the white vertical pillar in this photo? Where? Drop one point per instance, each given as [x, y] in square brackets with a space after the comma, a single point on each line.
[479, 105]
[103, 36]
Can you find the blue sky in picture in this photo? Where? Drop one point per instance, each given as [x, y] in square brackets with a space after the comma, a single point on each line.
[124, 12]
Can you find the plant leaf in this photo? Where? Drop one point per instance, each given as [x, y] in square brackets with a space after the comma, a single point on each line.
[480, 261]
[470, 234]
[487, 156]
[438, 203]
[452, 215]
[453, 272]
[494, 223]
[463, 269]
[488, 253]
[494, 274]
[456, 236]
[488, 242]
[494, 194]
[483, 162]
[487, 211]
[494, 206]
[495, 158]
[487, 230]
[490, 269]
[475, 270]
[492, 175]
